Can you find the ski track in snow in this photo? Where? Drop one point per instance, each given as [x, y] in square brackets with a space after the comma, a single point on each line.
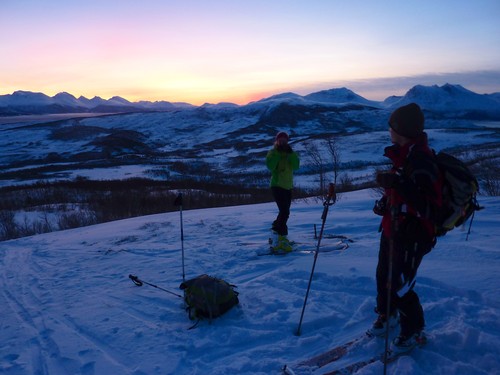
[69, 307]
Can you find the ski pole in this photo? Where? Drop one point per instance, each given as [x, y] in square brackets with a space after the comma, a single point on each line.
[330, 200]
[477, 207]
[178, 202]
[394, 229]
[140, 282]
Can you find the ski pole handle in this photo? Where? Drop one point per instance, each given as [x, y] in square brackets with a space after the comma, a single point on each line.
[178, 200]
[139, 282]
[136, 280]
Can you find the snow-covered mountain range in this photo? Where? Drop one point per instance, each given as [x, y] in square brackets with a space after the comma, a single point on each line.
[451, 98]
[225, 141]
[26, 103]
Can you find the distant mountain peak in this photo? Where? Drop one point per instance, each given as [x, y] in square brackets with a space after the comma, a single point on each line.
[340, 95]
[284, 95]
[446, 98]
[63, 93]
[119, 99]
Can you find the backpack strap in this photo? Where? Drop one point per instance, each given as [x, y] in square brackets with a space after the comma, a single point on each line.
[424, 200]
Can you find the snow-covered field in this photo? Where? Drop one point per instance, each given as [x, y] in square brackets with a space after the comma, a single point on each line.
[70, 308]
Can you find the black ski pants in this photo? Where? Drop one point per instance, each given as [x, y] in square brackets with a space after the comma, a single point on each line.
[407, 256]
[283, 199]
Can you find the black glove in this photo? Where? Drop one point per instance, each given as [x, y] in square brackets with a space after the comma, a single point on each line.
[380, 206]
[285, 148]
[387, 180]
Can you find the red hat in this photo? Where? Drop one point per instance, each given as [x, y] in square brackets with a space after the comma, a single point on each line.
[282, 135]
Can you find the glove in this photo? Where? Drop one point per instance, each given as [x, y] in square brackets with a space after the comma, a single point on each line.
[285, 148]
[387, 180]
[380, 206]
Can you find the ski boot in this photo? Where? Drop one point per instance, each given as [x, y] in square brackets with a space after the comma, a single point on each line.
[379, 326]
[404, 344]
[283, 246]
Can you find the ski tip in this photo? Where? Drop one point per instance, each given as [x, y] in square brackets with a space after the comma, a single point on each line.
[287, 370]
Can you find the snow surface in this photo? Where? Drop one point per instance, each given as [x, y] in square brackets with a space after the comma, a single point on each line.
[70, 308]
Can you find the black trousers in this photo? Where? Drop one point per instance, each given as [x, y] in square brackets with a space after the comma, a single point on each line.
[407, 256]
[283, 199]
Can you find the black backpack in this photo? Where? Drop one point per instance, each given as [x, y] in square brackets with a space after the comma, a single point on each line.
[459, 194]
[208, 297]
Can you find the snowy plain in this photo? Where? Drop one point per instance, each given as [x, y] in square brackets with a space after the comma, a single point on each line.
[70, 308]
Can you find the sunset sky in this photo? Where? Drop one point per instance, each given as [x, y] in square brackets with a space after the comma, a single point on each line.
[214, 51]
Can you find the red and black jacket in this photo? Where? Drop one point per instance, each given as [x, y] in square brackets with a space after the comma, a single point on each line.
[417, 193]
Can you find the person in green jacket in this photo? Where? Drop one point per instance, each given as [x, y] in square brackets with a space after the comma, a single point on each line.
[281, 160]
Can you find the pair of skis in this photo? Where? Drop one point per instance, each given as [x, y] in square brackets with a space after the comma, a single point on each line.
[319, 361]
[299, 248]
[331, 355]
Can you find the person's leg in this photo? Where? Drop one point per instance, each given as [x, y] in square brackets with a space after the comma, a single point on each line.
[283, 199]
[382, 274]
[379, 326]
[411, 312]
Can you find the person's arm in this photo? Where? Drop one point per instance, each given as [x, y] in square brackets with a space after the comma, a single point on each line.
[294, 160]
[272, 159]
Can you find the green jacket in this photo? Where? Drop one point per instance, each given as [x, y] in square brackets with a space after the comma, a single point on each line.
[282, 164]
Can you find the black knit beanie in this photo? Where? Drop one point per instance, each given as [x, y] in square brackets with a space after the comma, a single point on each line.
[407, 121]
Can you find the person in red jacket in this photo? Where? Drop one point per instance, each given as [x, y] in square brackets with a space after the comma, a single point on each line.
[412, 196]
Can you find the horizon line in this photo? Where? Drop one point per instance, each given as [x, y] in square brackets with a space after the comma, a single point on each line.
[486, 82]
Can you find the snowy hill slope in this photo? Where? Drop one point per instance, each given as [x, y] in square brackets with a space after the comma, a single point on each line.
[69, 307]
